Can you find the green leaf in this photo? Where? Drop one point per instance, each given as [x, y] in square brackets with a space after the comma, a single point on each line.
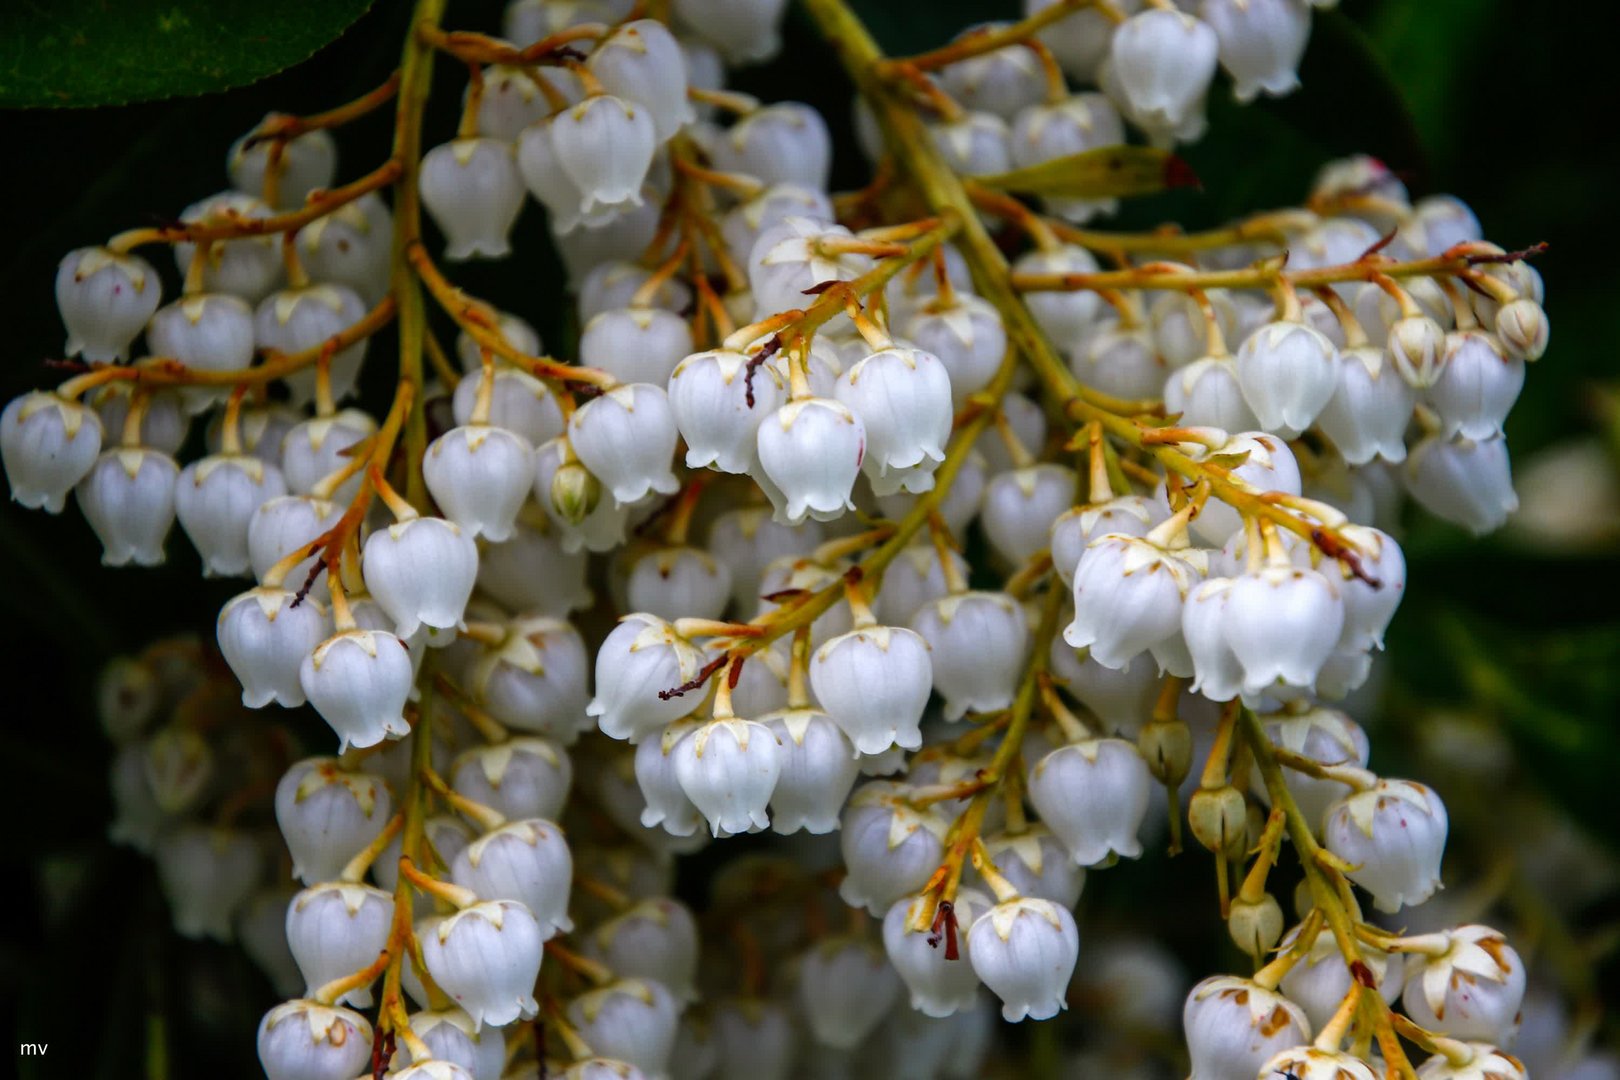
[1108, 172]
[74, 53]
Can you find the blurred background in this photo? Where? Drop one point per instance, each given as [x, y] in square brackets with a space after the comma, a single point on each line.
[1503, 673]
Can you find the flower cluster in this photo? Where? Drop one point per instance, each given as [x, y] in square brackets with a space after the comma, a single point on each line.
[788, 417]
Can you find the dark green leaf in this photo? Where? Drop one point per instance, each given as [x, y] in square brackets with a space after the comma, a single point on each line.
[1105, 173]
[70, 53]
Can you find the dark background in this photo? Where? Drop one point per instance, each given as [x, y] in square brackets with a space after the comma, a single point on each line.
[1502, 103]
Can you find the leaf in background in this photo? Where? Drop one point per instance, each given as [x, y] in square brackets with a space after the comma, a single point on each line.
[73, 53]
[1108, 172]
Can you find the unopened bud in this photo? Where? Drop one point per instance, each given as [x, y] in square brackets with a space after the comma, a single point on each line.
[1417, 344]
[575, 492]
[1256, 926]
[1219, 819]
[1166, 745]
[1523, 329]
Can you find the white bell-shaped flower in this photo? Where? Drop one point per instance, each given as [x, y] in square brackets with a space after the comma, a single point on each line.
[1467, 482]
[522, 778]
[940, 983]
[667, 804]
[433, 1069]
[1002, 81]
[1128, 594]
[1437, 223]
[916, 576]
[1207, 394]
[1394, 834]
[205, 332]
[1369, 608]
[1122, 700]
[1078, 526]
[260, 429]
[1261, 42]
[359, 680]
[514, 330]
[976, 144]
[351, 246]
[636, 344]
[1093, 795]
[1025, 950]
[890, 847]
[534, 679]
[846, 987]
[1079, 41]
[1288, 375]
[1312, 1063]
[1417, 344]
[786, 142]
[48, 444]
[626, 438]
[527, 861]
[720, 399]
[487, 957]
[305, 1040]
[207, 874]
[281, 526]
[548, 182]
[532, 572]
[819, 766]
[967, 337]
[1037, 864]
[756, 1039]
[1065, 316]
[303, 164]
[128, 499]
[1324, 735]
[1370, 409]
[328, 815]
[874, 683]
[603, 526]
[631, 1021]
[421, 572]
[728, 768]
[105, 297]
[980, 641]
[1476, 385]
[605, 145]
[452, 1039]
[1470, 986]
[1321, 979]
[1268, 465]
[1234, 1026]
[1078, 123]
[1481, 1061]
[812, 450]
[215, 498]
[480, 476]
[337, 928]
[1021, 505]
[641, 658]
[742, 224]
[249, 267]
[297, 320]
[264, 638]
[318, 447]
[518, 402]
[796, 256]
[1163, 61]
[1282, 624]
[1217, 672]
[656, 939]
[163, 422]
[473, 190]
[641, 62]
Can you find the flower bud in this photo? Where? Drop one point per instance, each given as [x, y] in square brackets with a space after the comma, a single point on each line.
[641, 657]
[890, 847]
[1128, 595]
[527, 861]
[1476, 385]
[525, 777]
[1255, 925]
[728, 768]
[335, 929]
[979, 642]
[1163, 62]
[630, 1020]
[874, 683]
[1470, 990]
[480, 475]
[296, 320]
[1261, 42]
[1167, 747]
[328, 815]
[1234, 1026]
[1464, 481]
[207, 874]
[1288, 374]
[1416, 344]
[575, 493]
[359, 680]
[627, 437]
[1093, 795]
[49, 444]
[605, 146]
[1394, 834]
[939, 986]
[105, 298]
[305, 1040]
[656, 939]
[812, 451]
[846, 987]
[487, 957]
[1522, 328]
[819, 767]
[128, 499]
[1370, 409]
[1025, 951]
[1219, 820]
